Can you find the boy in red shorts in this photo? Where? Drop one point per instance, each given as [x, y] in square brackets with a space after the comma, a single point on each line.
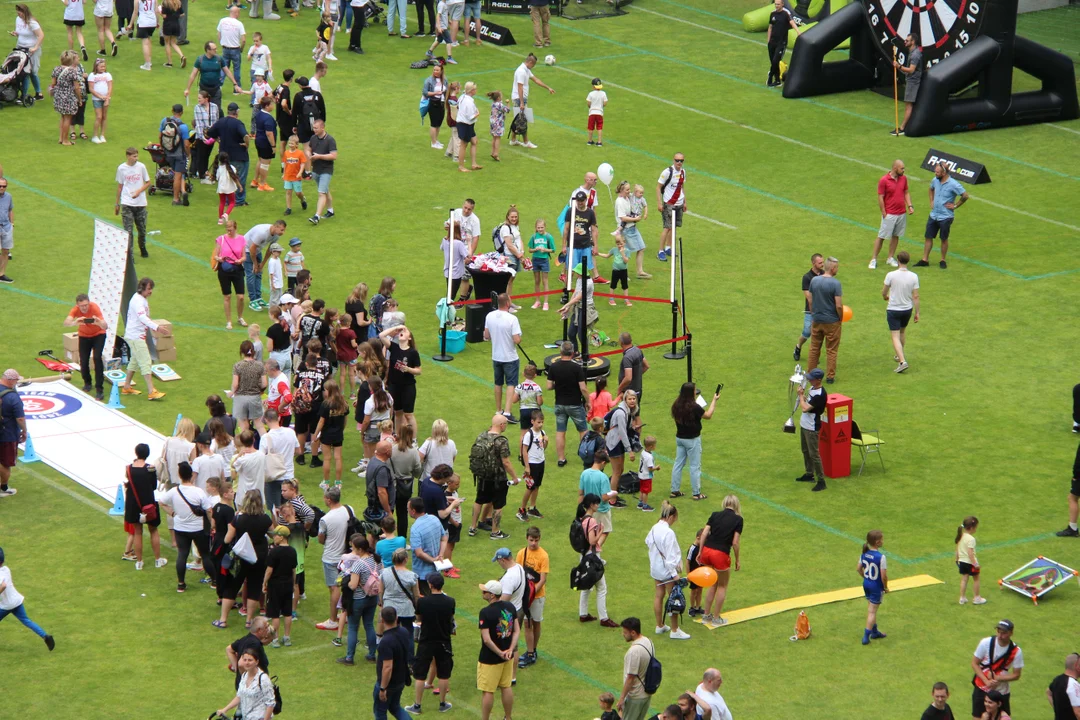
[645, 474]
[596, 100]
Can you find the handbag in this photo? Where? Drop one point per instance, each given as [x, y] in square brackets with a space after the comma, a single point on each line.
[150, 510]
[244, 550]
[403, 588]
[196, 510]
[275, 467]
[161, 466]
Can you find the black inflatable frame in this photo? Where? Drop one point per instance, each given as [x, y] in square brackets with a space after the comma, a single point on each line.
[989, 60]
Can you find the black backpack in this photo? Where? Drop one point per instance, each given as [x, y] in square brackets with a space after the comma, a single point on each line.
[629, 484]
[607, 418]
[317, 515]
[579, 541]
[309, 108]
[352, 527]
[654, 675]
[588, 572]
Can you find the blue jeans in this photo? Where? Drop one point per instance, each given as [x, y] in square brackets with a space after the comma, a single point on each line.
[363, 608]
[345, 19]
[231, 57]
[395, 7]
[687, 450]
[393, 703]
[20, 613]
[252, 279]
[241, 168]
[30, 78]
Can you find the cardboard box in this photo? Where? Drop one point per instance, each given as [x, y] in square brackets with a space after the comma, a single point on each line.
[166, 356]
[71, 343]
[162, 325]
[165, 343]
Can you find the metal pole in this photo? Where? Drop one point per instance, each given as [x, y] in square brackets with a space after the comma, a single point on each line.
[676, 257]
[689, 360]
[443, 356]
[583, 331]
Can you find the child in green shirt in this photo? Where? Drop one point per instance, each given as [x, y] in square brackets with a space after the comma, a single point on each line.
[541, 245]
[619, 257]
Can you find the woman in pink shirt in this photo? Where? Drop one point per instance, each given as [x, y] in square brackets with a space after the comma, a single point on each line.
[227, 260]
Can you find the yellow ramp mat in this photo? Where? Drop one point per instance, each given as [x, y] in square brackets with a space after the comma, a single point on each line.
[805, 601]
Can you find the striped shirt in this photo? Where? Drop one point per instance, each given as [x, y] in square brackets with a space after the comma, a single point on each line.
[363, 567]
[205, 116]
[304, 513]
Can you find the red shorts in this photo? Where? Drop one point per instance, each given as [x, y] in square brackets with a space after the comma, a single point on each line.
[596, 122]
[129, 528]
[716, 559]
[8, 451]
[645, 486]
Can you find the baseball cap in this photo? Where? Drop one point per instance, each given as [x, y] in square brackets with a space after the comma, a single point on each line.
[597, 84]
[294, 242]
[502, 554]
[1005, 625]
[816, 374]
[580, 195]
[282, 531]
[204, 438]
[11, 374]
[233, 107]
[288, 298]
[274, 247]
[492, 586]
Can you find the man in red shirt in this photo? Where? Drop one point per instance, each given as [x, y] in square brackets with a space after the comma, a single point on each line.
[92, 326]
[893, 199]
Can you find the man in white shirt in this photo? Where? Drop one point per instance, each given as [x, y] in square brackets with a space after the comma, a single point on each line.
[280, 441]
[709, 691]
[504, 331]
[997, 662]
[135, 327]
[901, 290]
[671, 202]
[469, 223]
[132, 182]
[232, 37]
[333, 526]
[519, 99]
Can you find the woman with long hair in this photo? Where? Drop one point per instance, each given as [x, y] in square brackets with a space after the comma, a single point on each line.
[363, 606]
[509, 244]
[221, 442]
[29, 37]
[434, 87]
[378, 407]
[170, 12]
[624, 420]
[688, 416]
[438, 449]
[229, 256]
[330, 432]
[67, 92]
[403, 365]
[665, 566]
[719, 545]
[356, 308]
[994, 702]
[216, 406]
[251, 519]
[369, 364]
[405, 467]
[254, 692]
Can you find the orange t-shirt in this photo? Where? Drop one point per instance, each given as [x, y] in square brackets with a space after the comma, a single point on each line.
[88, 330]
[601, 403]
[294, 164]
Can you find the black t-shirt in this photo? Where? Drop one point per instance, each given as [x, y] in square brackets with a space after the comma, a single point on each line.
[282, 560]
[498, 618]
[251, 641]
[145, 480]
[406, 358]
[395, 647]
[358, 312]
[223, 517]
[722, 528]
[312, 326]
[284, 119]
[691, 429]
[932, 713]
[279, 335]
[581, 233]
[565, 376]
[810, 275]
[633, 359]
[781, 23]
[1060, 698]
[333, 430]
[312, 380]
[437, 613]
[256, 526]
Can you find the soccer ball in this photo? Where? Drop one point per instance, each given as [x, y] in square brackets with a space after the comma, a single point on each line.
[549, 60]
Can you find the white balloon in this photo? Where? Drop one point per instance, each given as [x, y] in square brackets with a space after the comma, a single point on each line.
[606, 173]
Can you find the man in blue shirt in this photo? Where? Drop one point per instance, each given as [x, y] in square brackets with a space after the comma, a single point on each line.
[946, 195]
[232, 139]
[175, 138]
[428, 539]
[12, 428]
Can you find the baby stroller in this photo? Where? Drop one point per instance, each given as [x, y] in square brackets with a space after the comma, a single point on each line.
[15, 68]
[163, 178]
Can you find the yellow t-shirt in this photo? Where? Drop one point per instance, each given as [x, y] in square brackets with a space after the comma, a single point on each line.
[967, 542]
[538, 562]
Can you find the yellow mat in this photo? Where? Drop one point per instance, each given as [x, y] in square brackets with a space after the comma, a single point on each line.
[805, 601]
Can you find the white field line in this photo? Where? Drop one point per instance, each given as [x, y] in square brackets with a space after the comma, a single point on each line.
[524, 154]
[709, 219]
[637, 8]
[1059, 127]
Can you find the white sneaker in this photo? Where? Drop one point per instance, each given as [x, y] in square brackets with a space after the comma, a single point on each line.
[437, 145]
[963, 601]
[331, 56]
[661, 629]
[515, 142]
[160, 563]
[95, 140]
[873, 264]
[892, 262]
[224, 217]
[206, 181]
[139, 565]
[679, 635]
[145, 66]
[979, 601]
[273, 16]
[526, 145]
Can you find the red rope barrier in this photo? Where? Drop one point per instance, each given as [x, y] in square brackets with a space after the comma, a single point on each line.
[480, 301]
[631, 297]
[641, 347]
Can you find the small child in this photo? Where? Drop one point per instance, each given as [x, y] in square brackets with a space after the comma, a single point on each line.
[619, 272]
[392, 317]
[228, 182]
[390, 541]
[442, 33]
[596, 100]
[454, 527]
[253, 335]
[294, 259]
[875, 582]
[646, 469]
[277, 279]
[541, 245]
[607, 706]
[259, 59]
[533, 445]
[323, 35]
[692, 564]
[452, 91]
[347, 354]
[593, 439]
[601, 401]
[531, 396]
[293, 161]
[499, 110]
[386, 431]
[966, 560]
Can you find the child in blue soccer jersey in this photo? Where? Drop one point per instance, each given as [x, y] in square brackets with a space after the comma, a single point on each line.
[875, 582]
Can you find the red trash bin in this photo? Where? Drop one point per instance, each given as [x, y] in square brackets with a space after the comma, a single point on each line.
[834, 441]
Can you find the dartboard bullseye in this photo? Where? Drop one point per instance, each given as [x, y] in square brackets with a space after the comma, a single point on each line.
[942, 26]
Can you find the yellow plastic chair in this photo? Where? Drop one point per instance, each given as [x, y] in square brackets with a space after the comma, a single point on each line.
[867, 443]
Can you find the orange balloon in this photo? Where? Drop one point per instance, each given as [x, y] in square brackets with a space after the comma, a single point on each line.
[704, 576]
[847, 313]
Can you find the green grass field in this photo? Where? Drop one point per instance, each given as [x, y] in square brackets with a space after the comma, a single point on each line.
[978, 425]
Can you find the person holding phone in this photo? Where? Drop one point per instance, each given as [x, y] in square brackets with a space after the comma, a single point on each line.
[688, 414]
[87, 317]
